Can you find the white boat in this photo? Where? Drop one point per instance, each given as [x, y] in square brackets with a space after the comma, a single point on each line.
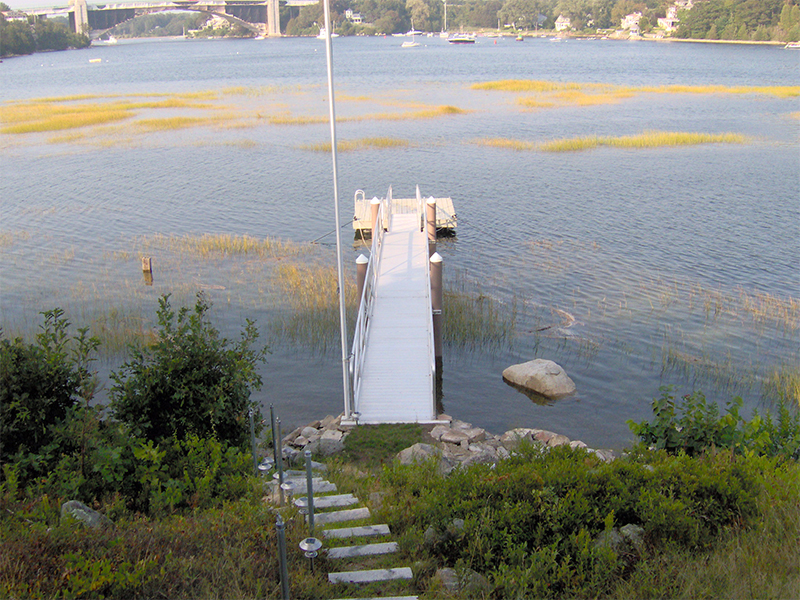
[791, 45]
[411, 44]
[462, 38]
[323, 34]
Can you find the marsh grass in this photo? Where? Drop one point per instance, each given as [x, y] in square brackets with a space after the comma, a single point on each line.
[173, 123]
[221, 245]
[310, 293]
[648, 139]
[476, 320]
[536, 86]
[9, 238]
[359, 144]
[782, 383]
[506, 143]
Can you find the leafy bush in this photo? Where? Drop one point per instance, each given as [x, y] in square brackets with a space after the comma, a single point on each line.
[693, 426]
[190, 381]
[531, 522]
[39, 384]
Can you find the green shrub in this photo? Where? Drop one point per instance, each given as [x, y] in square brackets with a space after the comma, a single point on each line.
[190, 381]
[39, 384]
[693, 425]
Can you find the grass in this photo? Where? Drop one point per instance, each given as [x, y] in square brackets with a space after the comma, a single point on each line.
[783, 384]
[648, 139]
[312, 299]
[359, 144]
[474, 319]
[370, 446]
[549, 87]
[222, 244]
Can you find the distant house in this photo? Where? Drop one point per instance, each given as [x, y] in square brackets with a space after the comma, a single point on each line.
[670, 22]
[14, 15]
[563, 23]
[631, 21]
[353, 17]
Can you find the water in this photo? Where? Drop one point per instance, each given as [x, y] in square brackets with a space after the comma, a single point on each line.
[653, 252]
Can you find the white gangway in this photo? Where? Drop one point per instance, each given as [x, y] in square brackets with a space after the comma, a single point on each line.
[393, 363]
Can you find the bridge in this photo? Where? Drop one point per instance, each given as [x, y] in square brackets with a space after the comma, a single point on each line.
[260, 16]
[397, 342]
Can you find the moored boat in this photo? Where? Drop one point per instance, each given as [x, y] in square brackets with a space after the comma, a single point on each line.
[462, 38]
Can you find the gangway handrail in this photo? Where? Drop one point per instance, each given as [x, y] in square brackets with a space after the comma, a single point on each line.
[366, 304]
[431, 342]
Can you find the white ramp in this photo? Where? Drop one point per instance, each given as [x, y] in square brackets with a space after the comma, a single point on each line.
[398, 377]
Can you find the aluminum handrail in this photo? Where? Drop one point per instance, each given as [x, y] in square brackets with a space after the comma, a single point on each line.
[367, 303]
[431, 341]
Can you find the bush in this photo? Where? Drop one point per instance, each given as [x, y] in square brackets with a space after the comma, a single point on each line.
[693, 426]
[39, 384]
[190, 381]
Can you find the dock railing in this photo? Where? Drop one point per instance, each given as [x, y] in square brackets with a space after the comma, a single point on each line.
[366, 304]
[421, 208]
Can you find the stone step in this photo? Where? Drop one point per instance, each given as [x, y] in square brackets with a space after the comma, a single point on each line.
[328, 501]
[363, 531]
[300, 485]
[370, 576]
[365, 550]
[385, 598]
[339, 516]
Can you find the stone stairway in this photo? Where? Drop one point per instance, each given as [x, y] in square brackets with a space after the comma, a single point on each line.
[343, 510]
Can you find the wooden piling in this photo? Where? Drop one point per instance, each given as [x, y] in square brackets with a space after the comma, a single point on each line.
[147, 270]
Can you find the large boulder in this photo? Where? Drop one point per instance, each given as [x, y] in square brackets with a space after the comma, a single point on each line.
[541, 376]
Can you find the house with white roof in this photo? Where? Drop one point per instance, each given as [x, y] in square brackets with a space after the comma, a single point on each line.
[563, 23]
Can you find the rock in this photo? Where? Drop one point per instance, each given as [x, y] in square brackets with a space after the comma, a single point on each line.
[454, 436]
[82, 513]
[627, 541]
[327, 422]
[604, 455]
[307, 432]
[438, 431]
[541, 376]
[288, 439]
[329, 445]
[577, 444]
[557, 440]
[512, 438]
[466, 583]
[376, 499]
[475, 434]
[300, 441]
[418, 453]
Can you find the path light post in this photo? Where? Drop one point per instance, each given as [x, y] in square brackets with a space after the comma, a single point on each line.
[280, 530]
[253, 440]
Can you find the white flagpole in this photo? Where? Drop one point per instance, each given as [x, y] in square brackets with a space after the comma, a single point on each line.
[340, 267]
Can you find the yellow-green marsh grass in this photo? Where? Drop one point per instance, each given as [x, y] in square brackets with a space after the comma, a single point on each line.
[535, 86]
[783, 383]
[70, 120]
[295, 120]
[172, 123]
[506, 143]
[7, 238]
[534, 103]
[209, 245]
[311, 293]
[474, 319]
[67, 138]
[359, 144]
[649, 139]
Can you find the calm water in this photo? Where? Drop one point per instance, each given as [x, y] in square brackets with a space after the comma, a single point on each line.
[655, 253]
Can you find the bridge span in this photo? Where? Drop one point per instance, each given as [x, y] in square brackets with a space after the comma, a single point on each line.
[261, 16]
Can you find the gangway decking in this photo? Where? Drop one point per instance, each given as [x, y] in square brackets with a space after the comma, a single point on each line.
[393, 363]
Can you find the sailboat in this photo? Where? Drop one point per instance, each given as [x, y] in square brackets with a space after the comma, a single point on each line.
[323, 34]
[413, 32]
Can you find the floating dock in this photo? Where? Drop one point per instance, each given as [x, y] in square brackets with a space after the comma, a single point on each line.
[446, 219]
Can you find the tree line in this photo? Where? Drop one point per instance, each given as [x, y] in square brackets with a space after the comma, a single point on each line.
[37, 35]
[760, 20]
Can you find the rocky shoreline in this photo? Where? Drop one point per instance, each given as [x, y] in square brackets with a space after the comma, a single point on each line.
[454, 443]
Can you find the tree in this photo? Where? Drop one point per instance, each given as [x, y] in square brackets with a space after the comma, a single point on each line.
[16, 38]
[191, 381]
